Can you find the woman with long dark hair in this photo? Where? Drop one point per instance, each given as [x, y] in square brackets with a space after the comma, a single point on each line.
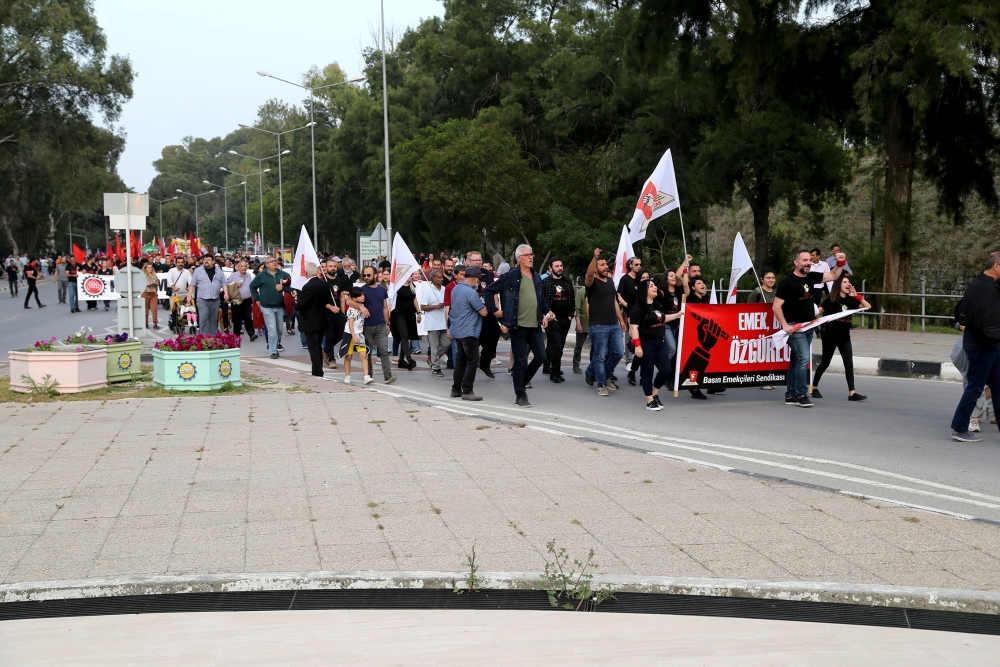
[837, 334]
[647, 329]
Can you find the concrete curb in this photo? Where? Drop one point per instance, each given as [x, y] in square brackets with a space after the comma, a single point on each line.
[905, 597]
[897, 368]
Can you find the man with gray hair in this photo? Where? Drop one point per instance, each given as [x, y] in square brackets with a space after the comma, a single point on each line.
[313, 302]
[208, 285]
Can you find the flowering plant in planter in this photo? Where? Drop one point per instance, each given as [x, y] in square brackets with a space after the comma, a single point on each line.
[112, 339]
[45, 345]
[81, 336]
[200, 343]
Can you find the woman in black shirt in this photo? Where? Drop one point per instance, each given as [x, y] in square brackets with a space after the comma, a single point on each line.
[403, 323]
[648, 323]
[837, 334]
[629, 302]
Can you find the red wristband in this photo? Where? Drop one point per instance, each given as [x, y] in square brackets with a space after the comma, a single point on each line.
[636, 342]
[841, 262]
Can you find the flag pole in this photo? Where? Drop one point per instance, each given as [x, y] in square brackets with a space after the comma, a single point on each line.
[683, 239]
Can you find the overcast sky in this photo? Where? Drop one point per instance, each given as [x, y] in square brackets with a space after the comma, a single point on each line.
[196, 62]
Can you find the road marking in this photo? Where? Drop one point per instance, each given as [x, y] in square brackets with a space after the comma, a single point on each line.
[728, 451]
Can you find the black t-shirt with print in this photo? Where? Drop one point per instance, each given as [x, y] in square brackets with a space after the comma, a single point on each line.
[796, 291]
[829, 307]
[649, 317]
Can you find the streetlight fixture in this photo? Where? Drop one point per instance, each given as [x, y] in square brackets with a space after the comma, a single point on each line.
[281, 203]
[260, 181]
[161, 202]
[260, 170]
[225, 194]
[197, 229]
[312, 92]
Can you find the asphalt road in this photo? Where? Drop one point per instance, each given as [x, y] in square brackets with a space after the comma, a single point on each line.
[894, 446]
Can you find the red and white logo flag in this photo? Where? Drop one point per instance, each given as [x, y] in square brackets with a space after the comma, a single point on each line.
[625, 253]
[741, 264]
[404, 265]
[659, 196]
[304, 252]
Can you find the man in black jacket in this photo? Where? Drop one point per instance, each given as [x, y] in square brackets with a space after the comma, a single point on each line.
[313, 303]
[979, 313]
[559, 294]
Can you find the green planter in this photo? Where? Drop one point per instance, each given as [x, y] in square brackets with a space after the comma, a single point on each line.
[196, 371]
[123, 361]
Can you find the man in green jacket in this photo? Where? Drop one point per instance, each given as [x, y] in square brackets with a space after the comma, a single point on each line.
[267, 290]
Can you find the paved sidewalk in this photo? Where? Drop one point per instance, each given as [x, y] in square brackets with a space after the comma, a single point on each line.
[351, 480]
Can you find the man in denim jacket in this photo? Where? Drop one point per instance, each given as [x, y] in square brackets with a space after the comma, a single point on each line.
[523, 314]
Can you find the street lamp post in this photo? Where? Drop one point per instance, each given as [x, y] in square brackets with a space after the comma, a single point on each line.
[161, 202]
[281, 203]
[260, 184]
[197, 228]
[225, 194]
[385, 123]
[312, 92]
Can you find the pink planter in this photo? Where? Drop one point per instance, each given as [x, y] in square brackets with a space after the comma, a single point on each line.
[74, 371]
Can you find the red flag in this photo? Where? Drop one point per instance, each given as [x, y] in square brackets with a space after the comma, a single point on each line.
[109, 255]
[195, 247]
[163, 250]
[80, 255]
[136, 248]
[119, 253]
[173, 250]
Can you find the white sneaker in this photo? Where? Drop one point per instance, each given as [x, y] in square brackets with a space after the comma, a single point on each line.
[369, 379]
[495, 362]
[347, 379]
[974, 426]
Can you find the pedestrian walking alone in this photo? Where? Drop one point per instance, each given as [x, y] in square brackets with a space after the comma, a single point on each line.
[31, 274]
[467, 313]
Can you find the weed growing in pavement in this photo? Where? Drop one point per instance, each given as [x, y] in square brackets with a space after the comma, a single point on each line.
[572, 582]
[49, 386]
[472, 579]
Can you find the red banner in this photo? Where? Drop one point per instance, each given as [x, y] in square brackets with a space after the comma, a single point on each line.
[729, 345]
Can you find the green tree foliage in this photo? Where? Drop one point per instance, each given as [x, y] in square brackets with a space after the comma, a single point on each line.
[54, 161]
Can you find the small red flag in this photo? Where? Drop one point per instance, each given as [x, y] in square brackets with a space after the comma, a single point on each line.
[119, 252]
[80, 255]
[163, 250]
[136, 248]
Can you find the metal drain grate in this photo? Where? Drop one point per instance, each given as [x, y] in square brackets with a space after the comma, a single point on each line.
[625, 603]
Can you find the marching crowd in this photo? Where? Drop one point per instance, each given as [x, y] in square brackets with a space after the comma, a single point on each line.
[465, 306]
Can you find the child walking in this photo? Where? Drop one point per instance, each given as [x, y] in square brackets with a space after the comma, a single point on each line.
[354, 339]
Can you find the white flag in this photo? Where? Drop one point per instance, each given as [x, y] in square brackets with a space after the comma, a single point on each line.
[304, 252]
[713, 298]
[741, 264]
[404, 265]
[625, 253]
[659, 196]
[780, 338]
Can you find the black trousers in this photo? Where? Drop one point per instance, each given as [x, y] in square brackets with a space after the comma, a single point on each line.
[314, 343]
[523, 340]
[13, 286]
[489, 336]
[555, 341]
[335, 323]
[465, 365]
[32, 289]
[243, 317]
[833, 341]
[224, 309]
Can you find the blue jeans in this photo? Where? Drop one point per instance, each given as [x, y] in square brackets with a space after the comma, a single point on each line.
[74, 304]
[523, 339]
[797, 379]
[606, 350]
[272, 321]
[984, 371]
[670, 340]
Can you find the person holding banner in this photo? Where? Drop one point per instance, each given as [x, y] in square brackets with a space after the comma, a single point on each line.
[794, 304]
[647, 328]
[837, 334]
